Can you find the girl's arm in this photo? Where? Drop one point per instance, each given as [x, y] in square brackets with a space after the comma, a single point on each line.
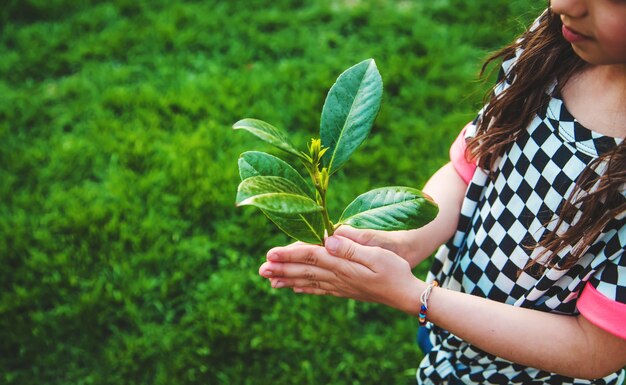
[447, 189]
[567, 345]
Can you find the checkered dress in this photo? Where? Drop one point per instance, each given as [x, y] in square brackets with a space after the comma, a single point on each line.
[499, 217]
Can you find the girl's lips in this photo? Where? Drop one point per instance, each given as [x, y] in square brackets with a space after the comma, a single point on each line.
[573, 36]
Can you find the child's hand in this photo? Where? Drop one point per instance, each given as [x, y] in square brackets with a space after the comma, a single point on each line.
[344, 268]
[404, 243]
[395, 241]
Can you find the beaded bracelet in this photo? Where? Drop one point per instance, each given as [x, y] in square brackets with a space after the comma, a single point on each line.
[424, 299]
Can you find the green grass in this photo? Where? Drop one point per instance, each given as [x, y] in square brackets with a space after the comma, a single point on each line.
[124, 259]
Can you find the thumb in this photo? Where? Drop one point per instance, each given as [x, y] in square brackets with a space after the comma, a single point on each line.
[347, 249]
[362, 236]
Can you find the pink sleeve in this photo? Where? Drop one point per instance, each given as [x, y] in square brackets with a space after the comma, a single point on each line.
[464, 167]
[603, 312]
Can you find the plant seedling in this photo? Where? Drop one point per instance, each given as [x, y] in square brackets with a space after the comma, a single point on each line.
[298, 208]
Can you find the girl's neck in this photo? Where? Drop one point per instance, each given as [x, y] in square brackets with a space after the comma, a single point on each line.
[614, 74]
[596, 97]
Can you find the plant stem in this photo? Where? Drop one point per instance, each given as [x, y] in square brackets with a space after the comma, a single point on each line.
[320, 180]
[330, 229]
[321, 200]
[314, 173]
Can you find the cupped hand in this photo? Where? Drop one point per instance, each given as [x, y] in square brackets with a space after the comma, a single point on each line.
[344, 268]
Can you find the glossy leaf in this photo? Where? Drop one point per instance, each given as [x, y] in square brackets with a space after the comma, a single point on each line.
[390, 208]
[349, 112]
[305, 227]
[256, 163]
[267, 133]
[275, 194]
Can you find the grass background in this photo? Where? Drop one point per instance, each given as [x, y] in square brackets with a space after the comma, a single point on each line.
[123, 258]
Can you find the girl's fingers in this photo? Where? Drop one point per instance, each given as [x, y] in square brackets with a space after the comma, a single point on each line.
[316, 291]
[294, 270]
[281, 249]
[325, 256]
[364, 237]
[303, 254]
[385, 239]
[279, 283]
[349, 250]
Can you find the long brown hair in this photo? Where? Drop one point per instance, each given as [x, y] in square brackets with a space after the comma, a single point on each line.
[546, 56]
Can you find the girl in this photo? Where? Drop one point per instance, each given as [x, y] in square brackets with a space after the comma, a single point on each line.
[532, 275]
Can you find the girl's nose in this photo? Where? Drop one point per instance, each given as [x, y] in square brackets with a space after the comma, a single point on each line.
[571, 8]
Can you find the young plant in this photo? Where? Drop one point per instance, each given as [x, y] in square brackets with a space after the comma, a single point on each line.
[299, 209]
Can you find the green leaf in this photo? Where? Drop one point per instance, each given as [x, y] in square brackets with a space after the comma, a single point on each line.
[349, 112]
[256, 163]
[268, 133]
[390, 208]
[275, 194]
[305, 227]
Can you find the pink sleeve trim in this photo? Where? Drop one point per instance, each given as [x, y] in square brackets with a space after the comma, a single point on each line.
[463, 167]
[603, 312]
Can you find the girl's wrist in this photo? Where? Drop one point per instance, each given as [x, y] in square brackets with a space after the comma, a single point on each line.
[424, 299]
[410, 302]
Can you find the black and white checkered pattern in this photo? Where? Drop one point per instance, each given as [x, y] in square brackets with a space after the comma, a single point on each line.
[499, 217]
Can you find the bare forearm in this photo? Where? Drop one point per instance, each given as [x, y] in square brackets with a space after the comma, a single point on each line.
[567, 345]
[524, 336]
